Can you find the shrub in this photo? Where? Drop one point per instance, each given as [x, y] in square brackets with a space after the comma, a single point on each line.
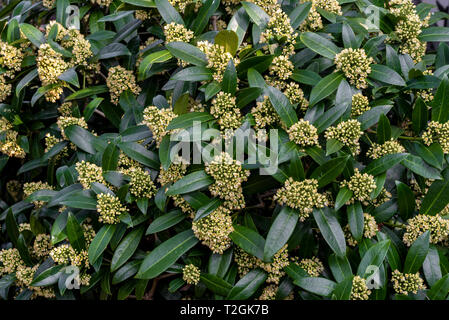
[223, 149]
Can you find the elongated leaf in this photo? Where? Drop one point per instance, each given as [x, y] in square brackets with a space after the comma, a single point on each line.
[249, 240]
[100, 242]
[437, 197]
[325, 87]
[331, 230]
[280, 231]
[417, 253]
[187, 52]
[319, 44]
[381, 165]
[75, 233]
[248, 285]
[329, 171]
[386, 75]
[374, 256]
[126, 248]
[194, 181]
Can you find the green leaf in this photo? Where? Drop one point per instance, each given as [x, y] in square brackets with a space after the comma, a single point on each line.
[257, 15]
[141, 154]
[247, 95]
[329, 171]
[25, 81]
[187, 52]
[187, 120]
[80, 200]
[340, 267]
[431, 266]
[229, 40]
[166, 254]
[356, 220]
[330, 229]
[193, 74]
[434, 34]
[420, 116]
[113, 50]
[11, 227]
[194, 181]
[81, 138]
[406, 200]
[229, 83]
[299, 14]
[306, 77]
[330, 117]
[100, 242]
[383, 129]
[75, 233]
[417, 253]
[371, 117]
[207, 209]
[374, 256]
[320, 286]
[249, 240]
[248, 285]
[440, 289]
[216, 284]
[91, 107]
[440, 104]
[282, 106]
[219, 263]
[325, 87]
[343, 289]
[202, 18]
[110, 157]
[168, 13]
[437, 197]
[126, 248]
[418, 166]
[319, 44]
[87, 92]
[343, 196]
[31, 33]
[386, 75]
[280, 231]
[381, 165]
[47, 277]
[149, 60]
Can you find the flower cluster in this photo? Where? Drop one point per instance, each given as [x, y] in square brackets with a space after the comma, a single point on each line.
[224, 109]
[30, 187]
[42, 245]
[89, 173]
[141, 185]
[264, 114]
[361, 184]
[314, 22]
[377, 151]
[437, 132]
[296, 96]
[158, 120]
[214, 229]
[120, 80]
[359, 290]
[302, 195]
[64, 122]
[348, 133]
[303, 133]
[355, 65]
[229, 176]
[109, 208]
[313, 266]
[10, 260]
[405, 283]
[50, 65]
[8, 142]
[360, 104]
[416, 226]
[191, 274]
[177, 32]
[370, 229]
[269, 292]
[217, 58]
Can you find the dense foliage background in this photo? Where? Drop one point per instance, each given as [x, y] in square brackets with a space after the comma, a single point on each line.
[92, 205]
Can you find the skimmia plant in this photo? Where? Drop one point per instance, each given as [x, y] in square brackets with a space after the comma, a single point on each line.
[207, 149]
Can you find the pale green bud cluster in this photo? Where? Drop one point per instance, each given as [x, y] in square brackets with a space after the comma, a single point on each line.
[120, 80]
[356, 66]
[80, 47]
[416, 226]
[348, 133]
[191, 274]
[50, 142]
[279, 28]
[89, 173]
[437, 132]
[10, 59]
[229, 176]
[302, 195]
[177, 32]
[141, 185]
[269, 292]
[245, 261]
[314, 21]
[359, 290]
[214, 229]
[281, 68]
[48, 3]
[64, 122]
[182, 4]
[303, 133]
[360, 104]
[224, 109]
[126, 162]
[405, 283]
[370, 229]
[25, 275]
[264, 114]
[142, 15]
[50, 65]
[63, 254]
[158, 120]
[5, 88]
[426, 94]
[10, 260]
[24, 226]
[313, 266]
[42, 245]
[217, 58]
[9, 145]
[296, 96]
[361, 184]
[109, 208]
[103, 3]
[65, 109]
[377, 151]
